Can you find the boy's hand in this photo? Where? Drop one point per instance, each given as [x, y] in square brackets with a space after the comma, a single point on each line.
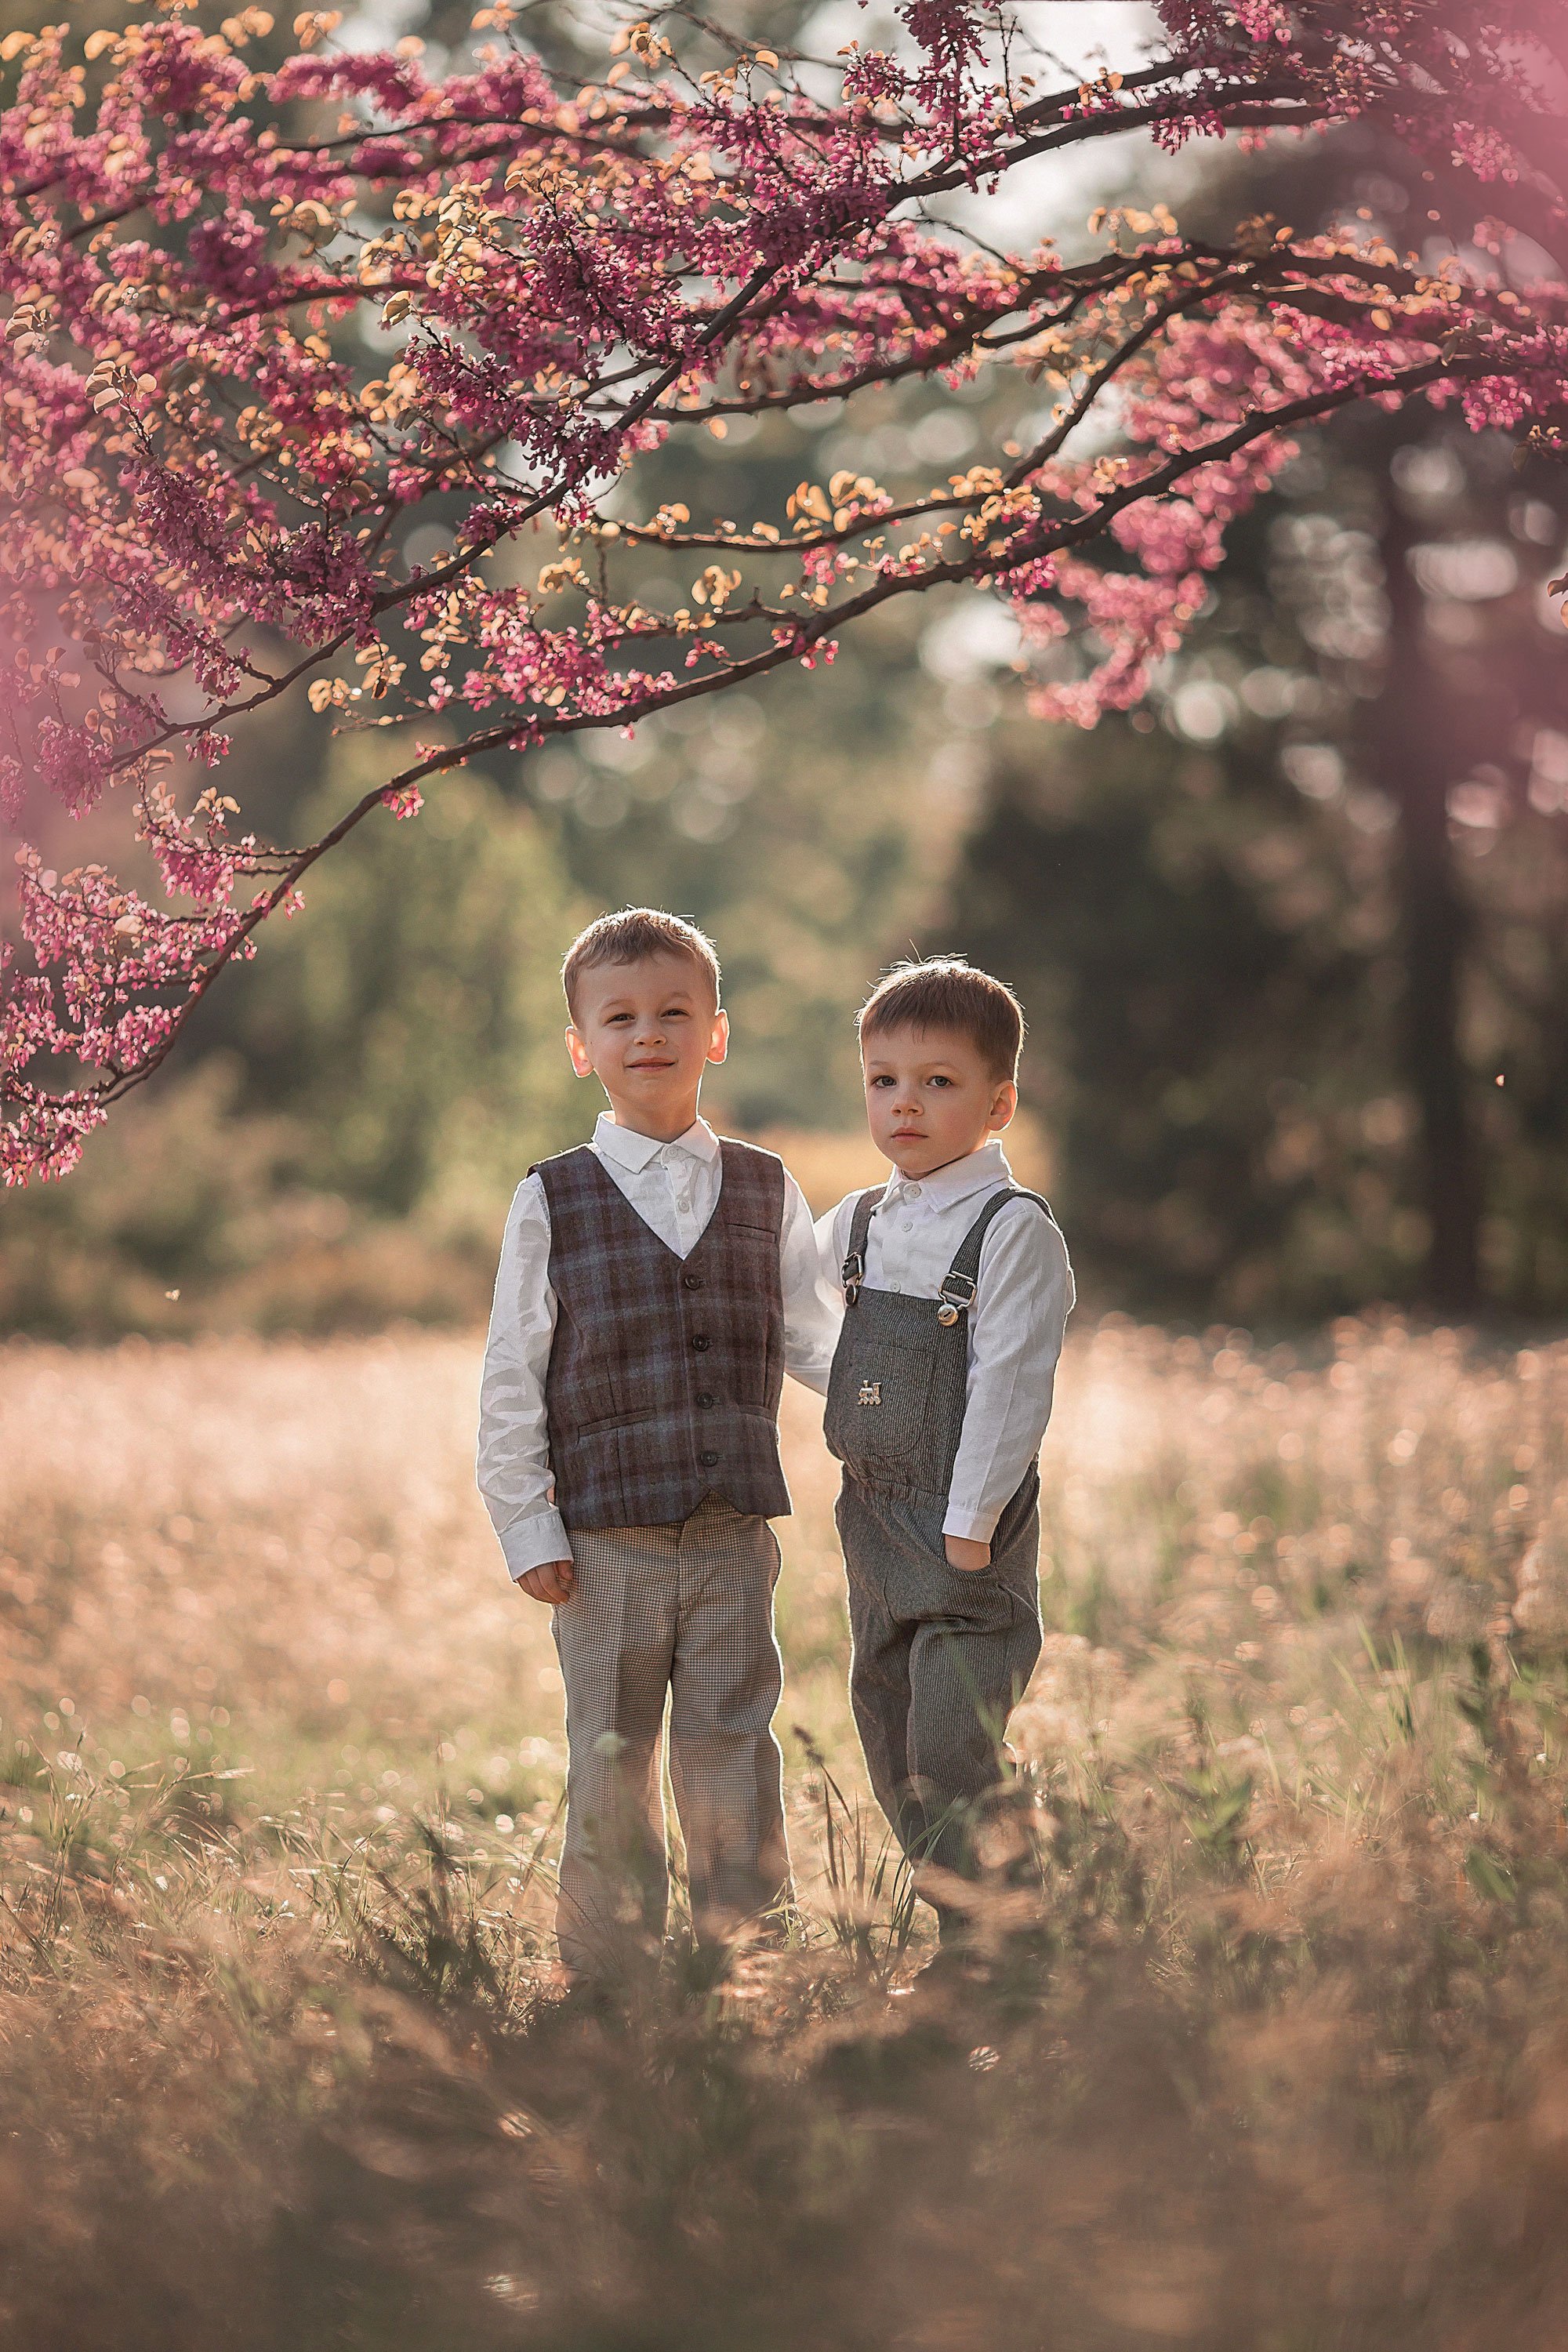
[555, 1582]
[965, 1553]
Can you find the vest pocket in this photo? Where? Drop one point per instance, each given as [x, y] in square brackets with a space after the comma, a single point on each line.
[879, 1402]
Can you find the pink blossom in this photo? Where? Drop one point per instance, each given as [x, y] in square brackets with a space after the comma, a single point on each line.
[206, 485]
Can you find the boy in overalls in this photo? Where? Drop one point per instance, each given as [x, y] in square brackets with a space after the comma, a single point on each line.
[655, 1287]
[956, 1287]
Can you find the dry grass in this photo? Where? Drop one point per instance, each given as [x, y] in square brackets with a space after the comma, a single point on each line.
[1270, 2049]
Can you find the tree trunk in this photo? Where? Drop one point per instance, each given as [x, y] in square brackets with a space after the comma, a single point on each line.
[1420, 754]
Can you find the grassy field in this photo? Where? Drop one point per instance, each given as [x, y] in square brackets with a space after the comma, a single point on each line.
[1271, 2048]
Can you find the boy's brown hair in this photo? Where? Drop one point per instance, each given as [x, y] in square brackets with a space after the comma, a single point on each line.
[634, 936]
[947, 992]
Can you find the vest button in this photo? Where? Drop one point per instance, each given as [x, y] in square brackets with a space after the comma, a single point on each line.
[705, 1400]
[709, 1461]
[701, 1342]
[693, 1281]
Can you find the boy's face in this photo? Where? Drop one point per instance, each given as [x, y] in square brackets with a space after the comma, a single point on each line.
[931, 1098]
[647, 1030]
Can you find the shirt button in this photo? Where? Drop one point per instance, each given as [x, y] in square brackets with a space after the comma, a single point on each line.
[708, 1460]
[693, 1281]
[906, 1225]
[911, 1191]
[701, 1342]
[705, 1400]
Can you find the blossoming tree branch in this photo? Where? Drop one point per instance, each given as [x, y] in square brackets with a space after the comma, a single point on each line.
[207, 487]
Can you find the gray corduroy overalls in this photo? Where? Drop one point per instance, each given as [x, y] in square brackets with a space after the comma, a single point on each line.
[940, 1655]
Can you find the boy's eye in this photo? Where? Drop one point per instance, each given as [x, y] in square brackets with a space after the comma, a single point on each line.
[941, 1082]
[881, 1080]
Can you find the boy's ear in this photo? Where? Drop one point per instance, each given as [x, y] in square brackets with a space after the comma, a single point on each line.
[1003, 1104]
[718, 1048]
[582, 1060]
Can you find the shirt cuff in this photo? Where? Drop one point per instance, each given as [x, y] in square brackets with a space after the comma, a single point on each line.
[975, 1526]
[528, 1543]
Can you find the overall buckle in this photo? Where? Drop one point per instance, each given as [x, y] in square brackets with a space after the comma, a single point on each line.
[957, 1292]
[854, 1275]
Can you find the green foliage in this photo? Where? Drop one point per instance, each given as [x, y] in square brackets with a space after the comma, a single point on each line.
[411, 1021]
[180, 1195]
[381, 1078]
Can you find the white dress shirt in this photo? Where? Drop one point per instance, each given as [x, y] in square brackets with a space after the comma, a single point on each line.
[674, 1187]
[1023, 1297]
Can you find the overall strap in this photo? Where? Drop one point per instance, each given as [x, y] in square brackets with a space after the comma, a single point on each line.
[960, 1282]
[859, 1226]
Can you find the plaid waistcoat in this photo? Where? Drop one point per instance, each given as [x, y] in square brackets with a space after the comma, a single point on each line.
[664, 1372]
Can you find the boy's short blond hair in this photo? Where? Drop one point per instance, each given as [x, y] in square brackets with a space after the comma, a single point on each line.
[635, 935]
[948, 992]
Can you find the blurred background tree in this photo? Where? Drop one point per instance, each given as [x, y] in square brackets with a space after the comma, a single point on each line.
[1278, 934]
[1293, 935]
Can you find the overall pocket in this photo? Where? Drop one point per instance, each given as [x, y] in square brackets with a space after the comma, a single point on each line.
[878, 1401]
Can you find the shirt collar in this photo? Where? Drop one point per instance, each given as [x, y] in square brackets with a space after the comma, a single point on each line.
[630, 1150]
[977, 1171]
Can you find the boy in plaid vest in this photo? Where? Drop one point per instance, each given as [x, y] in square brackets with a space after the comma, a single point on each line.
[956, 1287]
[655, 1286]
